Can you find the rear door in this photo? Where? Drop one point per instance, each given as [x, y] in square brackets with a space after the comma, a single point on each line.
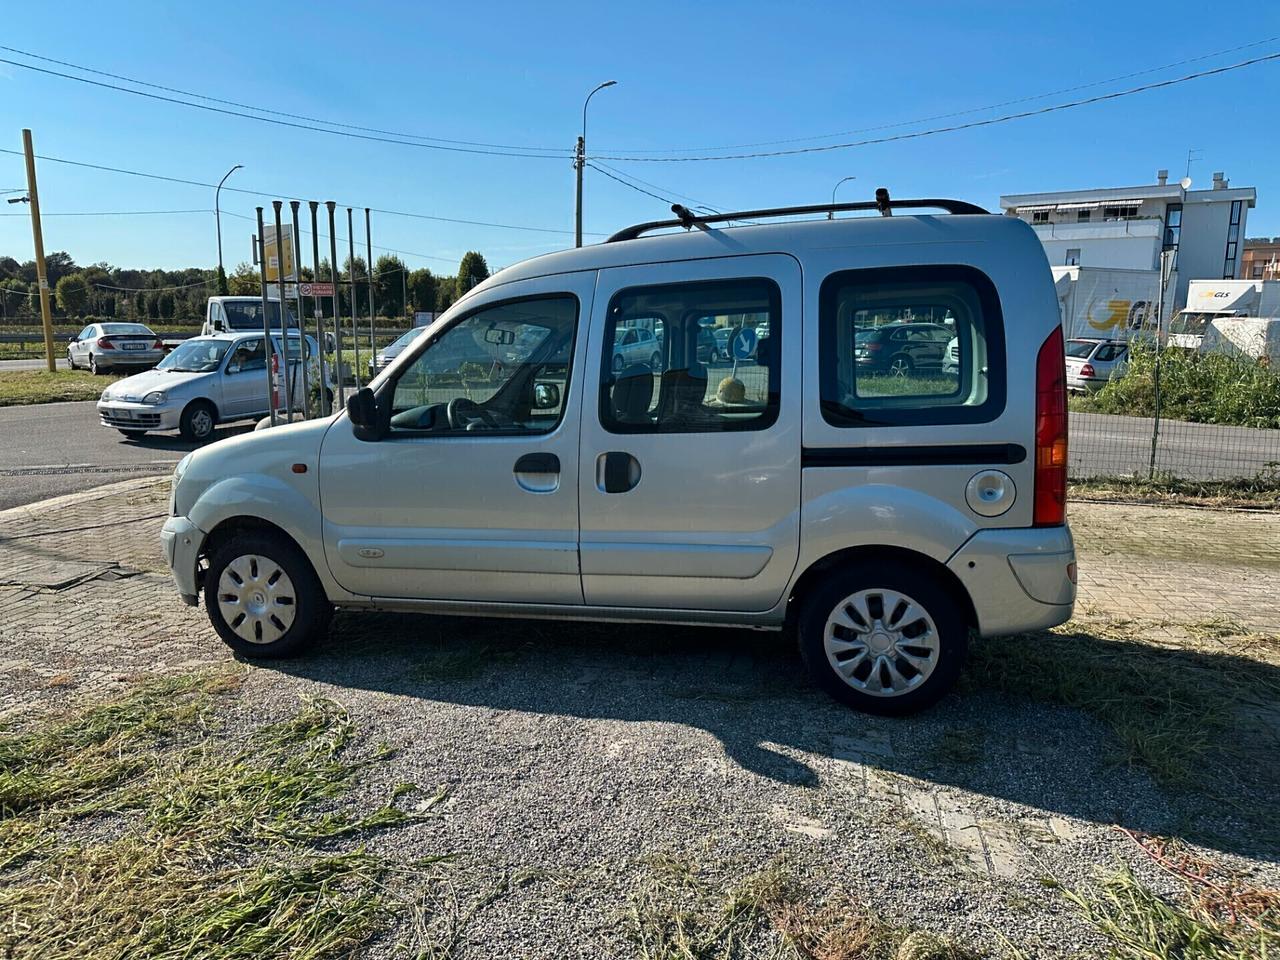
[690, 475]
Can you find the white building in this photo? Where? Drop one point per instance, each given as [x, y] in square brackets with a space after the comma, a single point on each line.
[1128, 227]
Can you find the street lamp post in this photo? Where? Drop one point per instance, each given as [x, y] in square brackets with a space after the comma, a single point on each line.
[580, 161]
[217, 216]
[831, 214]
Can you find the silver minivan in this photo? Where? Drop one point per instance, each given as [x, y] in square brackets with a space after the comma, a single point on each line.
[506, 465]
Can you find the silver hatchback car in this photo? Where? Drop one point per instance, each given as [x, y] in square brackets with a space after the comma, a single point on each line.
[506, 465]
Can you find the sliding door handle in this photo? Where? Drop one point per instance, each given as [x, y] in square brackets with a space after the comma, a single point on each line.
[617, 472]
[538, 463]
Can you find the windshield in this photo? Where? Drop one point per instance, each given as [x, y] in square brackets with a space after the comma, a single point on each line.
[1192, 323]
[1080, 349]
[405, 338]
[247, 314]
[195, 356]
[125, 328]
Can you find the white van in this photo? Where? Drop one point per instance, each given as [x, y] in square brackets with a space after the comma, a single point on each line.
[242, 315]
[502, 465]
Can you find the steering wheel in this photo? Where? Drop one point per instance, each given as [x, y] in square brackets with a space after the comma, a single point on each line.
[463, 414]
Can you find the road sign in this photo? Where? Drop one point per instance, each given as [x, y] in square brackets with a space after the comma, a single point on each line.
[279, 257]
[744, 343]
[316, 289]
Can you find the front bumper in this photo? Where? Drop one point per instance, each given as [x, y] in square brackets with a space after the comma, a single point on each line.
[123, 415]
[1018, 580]
[182, 540]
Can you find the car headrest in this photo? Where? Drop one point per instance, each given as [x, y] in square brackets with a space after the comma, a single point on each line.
[632, 393]
[766, 352]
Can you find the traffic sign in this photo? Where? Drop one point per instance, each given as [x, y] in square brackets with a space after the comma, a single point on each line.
[744, 343]
[316, 289]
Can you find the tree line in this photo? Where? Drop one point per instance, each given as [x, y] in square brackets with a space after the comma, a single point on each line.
[103, 291]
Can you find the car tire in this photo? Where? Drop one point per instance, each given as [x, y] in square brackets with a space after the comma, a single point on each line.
[904, 655]
[900, 366]
[197, 421]
[93, 365]
[263, 598]
[71, 360]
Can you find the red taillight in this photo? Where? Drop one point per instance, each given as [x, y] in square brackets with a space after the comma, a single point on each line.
[1051, 433]
[158, 345]
[105, 344]
[1087, 371]
[874, 346]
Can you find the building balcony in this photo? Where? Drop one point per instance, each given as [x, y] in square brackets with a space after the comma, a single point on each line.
[1140, 228]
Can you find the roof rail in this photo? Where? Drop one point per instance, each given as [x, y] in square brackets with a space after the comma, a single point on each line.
[688, 219]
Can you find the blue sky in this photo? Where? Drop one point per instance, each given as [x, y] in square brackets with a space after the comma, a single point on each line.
[689, 75]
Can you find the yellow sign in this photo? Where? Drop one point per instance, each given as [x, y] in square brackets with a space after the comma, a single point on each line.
[277, 253]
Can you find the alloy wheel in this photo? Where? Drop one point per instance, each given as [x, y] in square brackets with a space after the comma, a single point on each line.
[881, 642]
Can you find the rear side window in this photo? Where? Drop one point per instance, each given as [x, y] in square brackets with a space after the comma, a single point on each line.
[664, 372]
[1109, 351]
[1080, 349]
[910, 345]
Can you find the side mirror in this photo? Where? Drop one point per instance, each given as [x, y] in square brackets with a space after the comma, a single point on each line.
[72, 340]
[362, 410]
[546, 396]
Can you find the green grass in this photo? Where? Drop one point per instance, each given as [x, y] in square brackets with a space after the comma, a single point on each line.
[142, 829]
[19, 387]
[1262, 491]
[1231, 922]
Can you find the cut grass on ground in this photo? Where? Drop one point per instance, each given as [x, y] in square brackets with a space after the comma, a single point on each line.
[142, 829]
[1262, 491]
[18, 387]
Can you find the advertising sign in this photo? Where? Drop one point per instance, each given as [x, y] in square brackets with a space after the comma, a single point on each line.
[279, 253]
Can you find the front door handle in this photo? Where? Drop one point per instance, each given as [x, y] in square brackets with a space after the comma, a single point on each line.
[617, 472]
[538, 463]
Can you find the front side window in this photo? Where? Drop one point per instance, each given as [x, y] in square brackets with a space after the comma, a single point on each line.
[878, 364]
[664, 369]
[248, 356]
[502, 370]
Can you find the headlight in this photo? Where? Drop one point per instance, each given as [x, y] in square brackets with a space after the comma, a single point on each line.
[156, 396]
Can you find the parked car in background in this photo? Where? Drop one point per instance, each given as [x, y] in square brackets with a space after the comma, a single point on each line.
[899, 349]
[100, 347]
[637, 345]
[205, 381]
[951, 359]
[392, 350]
[1092, 362]
[242, 315]
[883, 528]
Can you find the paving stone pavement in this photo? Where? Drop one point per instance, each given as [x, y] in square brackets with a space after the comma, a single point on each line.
[86, 603]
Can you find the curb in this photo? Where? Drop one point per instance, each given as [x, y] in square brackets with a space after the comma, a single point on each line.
[28, 510]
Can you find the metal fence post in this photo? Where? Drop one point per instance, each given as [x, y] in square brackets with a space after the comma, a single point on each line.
[368, 242]
[351, 271]
[337, 303]
[1155, 423]
[302, 324]
[266, 316]
[325, 406]
[284, 317]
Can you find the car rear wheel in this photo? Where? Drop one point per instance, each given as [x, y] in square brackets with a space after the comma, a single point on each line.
[263, 598]
[93, 365]
[900, 366]
[882, 637]
[197, 421]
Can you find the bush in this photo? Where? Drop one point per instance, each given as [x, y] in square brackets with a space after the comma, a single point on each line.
[1201, 388]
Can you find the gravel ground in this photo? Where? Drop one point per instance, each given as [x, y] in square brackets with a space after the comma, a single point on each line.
[576, 756]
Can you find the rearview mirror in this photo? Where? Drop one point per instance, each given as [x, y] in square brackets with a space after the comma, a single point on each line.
[362, 410]
[546, 396]
[499, 337]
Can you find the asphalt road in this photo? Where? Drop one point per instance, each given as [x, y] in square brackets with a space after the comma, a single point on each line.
[32, 364]
[56, 448]
[50, 449]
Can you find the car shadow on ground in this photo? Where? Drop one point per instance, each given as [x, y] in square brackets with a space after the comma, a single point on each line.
[175, 442]
[748, 690]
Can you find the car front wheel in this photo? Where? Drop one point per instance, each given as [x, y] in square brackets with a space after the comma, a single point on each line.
[263, 598]
[197, 421]
[883, 637]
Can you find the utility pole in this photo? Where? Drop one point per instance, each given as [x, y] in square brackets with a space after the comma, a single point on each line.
[42, 277]
[580, 161]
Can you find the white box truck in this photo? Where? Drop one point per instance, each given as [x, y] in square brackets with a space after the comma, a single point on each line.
[1106, 302]
[1237, 317]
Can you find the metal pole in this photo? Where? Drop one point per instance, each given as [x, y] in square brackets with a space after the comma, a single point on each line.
[351, 270]
[42, 277]
[284, 300]
[316, 309]
[337, 303]
[579, 159]
[302, 324]
[368, 243]
[1155, 424]
[266, 315]
[831, 214]
[217, 216]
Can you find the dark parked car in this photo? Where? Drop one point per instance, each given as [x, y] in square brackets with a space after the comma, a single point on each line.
[898, 349]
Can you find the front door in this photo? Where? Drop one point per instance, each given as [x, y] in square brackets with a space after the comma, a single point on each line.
[472, 495]
[690, 471]
[244, 380]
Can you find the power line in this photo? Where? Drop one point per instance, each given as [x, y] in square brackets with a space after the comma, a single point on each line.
[955, 127]
[325, 236]
[598, 164]
[563, 155]
[184, 286]
[647, 193]
[560, 151]
[282, 195]
[959, 113]
[110, 213]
